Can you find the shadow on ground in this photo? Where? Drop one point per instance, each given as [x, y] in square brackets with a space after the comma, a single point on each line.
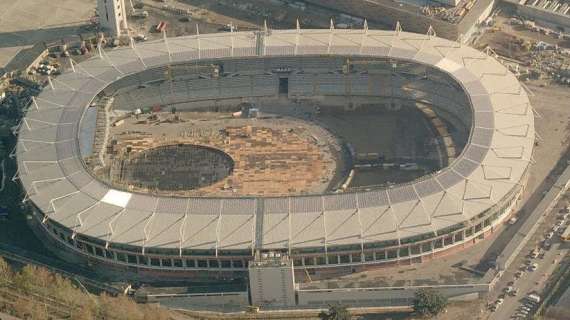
[31, 37]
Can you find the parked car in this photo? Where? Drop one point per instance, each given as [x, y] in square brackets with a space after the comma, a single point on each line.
[533, 267]
[547, 244]
[533, 297]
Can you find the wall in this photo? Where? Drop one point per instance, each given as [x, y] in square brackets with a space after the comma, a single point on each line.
[112, 16]
[411, 19]
[381, 297]
[547, 18]
[222, 302]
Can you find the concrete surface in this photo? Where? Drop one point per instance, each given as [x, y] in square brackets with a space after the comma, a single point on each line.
[25, 22]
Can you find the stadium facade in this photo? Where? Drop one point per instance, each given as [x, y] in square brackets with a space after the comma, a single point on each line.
[146, 236]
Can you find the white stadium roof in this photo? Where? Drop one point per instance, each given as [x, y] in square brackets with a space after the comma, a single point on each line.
[491, 165]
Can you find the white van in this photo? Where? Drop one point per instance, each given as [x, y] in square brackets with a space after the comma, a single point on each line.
[533, 297]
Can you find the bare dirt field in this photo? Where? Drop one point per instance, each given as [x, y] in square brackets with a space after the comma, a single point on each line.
[270, 155]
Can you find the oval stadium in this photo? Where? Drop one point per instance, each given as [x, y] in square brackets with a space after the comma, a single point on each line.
[343, 149]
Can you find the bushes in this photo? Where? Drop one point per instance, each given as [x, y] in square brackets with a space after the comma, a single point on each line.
[41, 287]
[335, 312]
[5, 273]
[428, 302]
[24, 280]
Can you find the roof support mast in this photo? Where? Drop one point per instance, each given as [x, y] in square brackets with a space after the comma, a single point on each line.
[297, 37]
[324, 223]
[357, 212]
[198, 41]
[166, 45]
[218, 226]
[289, 222]
[253, 226]
[331, 34]
[182, 230]
[232, 32]
[147, 224]
[111, 229]
[364, 35]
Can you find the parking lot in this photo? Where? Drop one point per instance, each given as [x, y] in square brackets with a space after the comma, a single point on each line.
[528, 274]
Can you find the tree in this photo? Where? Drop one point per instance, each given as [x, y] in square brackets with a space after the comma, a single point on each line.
[335, 312]
[428, 302]
[25, 279]
[5, 273]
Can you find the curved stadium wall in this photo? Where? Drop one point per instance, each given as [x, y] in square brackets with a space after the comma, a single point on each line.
[86, 220]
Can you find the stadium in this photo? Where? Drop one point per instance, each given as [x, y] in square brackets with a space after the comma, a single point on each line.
[247, 114]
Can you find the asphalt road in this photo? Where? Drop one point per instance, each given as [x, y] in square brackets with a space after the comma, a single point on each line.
[531, 281]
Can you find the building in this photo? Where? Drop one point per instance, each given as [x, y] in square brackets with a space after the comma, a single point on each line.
[112, 16]
[457, 23]
[133, 235]
[551, 14]
[272, 281]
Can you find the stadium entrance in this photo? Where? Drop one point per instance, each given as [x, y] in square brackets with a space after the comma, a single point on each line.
[283, 86]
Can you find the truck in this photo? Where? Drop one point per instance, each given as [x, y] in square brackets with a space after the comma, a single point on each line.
[137, 13]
